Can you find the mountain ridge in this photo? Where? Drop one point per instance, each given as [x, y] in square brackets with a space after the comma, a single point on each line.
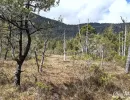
[72, 29]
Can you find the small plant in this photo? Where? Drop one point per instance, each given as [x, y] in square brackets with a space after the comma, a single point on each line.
[94, 68]
[43, 90]
[99, 76]
[120, 60]
[3, 78]
[42, 85]
[116, 98]
[105, 79]
[86, 57]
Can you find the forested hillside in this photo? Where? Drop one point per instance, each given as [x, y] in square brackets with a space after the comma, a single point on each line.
[72, 30]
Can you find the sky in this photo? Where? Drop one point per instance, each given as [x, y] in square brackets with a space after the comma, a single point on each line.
[101, 11]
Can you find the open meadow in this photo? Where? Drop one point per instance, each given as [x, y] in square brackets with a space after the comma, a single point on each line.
[64, 80]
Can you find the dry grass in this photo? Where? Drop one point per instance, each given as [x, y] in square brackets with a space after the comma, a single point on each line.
[69, 80]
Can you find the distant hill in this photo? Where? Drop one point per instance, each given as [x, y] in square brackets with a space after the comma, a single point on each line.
[71, 30]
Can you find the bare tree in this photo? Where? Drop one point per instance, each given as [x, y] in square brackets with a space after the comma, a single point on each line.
[80, 37]
[119, 51]
[64, 47]
[125, 33]
[87, 38]
[40, 66]
[128, 62]
[36, 58]
[122, 50]
[125, 39]
[43, 54]
[102, 54]
[1, 47]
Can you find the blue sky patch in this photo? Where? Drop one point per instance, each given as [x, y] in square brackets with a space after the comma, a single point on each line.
[128, 0]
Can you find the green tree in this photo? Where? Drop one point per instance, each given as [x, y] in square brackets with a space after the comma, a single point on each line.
[59, 47]
[18, 14]
[110, 43]
[84, 36]
[91, 30]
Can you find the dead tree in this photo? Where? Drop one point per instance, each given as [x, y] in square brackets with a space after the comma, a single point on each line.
[1, 46]
[43, 54]
[102, 58]
[40, 66]
[80, 38]
[36, 59]
[6, 53]
[125, 33]
[102, 55]
[125, 39]
[122, 49]
[119, 51]
[64, 47]
[128, 61]
[87, 37]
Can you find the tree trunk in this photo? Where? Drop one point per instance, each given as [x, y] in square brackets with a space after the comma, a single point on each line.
[119, 46]
[122, 46]
[102, 58]
[6, 53]
[128, 61]
[125, 40]
[35, 52]
[42, 62]
[64, 47]
[80, 38]
[13, 52]
[23, 56]
[43, 55]
[87, 38]
[18, 74]
[1, 49]
[20, 62]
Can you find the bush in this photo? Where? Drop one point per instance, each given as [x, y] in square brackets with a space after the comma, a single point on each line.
[98, 77]
[120, 60]
[3, 78]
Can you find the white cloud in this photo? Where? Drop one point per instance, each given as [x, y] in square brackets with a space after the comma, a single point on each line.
[95, 10]
[118, 8]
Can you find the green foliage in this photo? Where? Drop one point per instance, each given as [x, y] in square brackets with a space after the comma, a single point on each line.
[91, 30]
[41, 4]
[100, 77]
[110, 43]
[86, 57]
[59, 47]
[41, 85]
[111, 38]
[117, 98]
[120, 60]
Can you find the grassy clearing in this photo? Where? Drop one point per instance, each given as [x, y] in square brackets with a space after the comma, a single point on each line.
[69, 80]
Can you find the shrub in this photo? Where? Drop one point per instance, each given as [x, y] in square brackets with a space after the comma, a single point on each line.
[3, 78]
